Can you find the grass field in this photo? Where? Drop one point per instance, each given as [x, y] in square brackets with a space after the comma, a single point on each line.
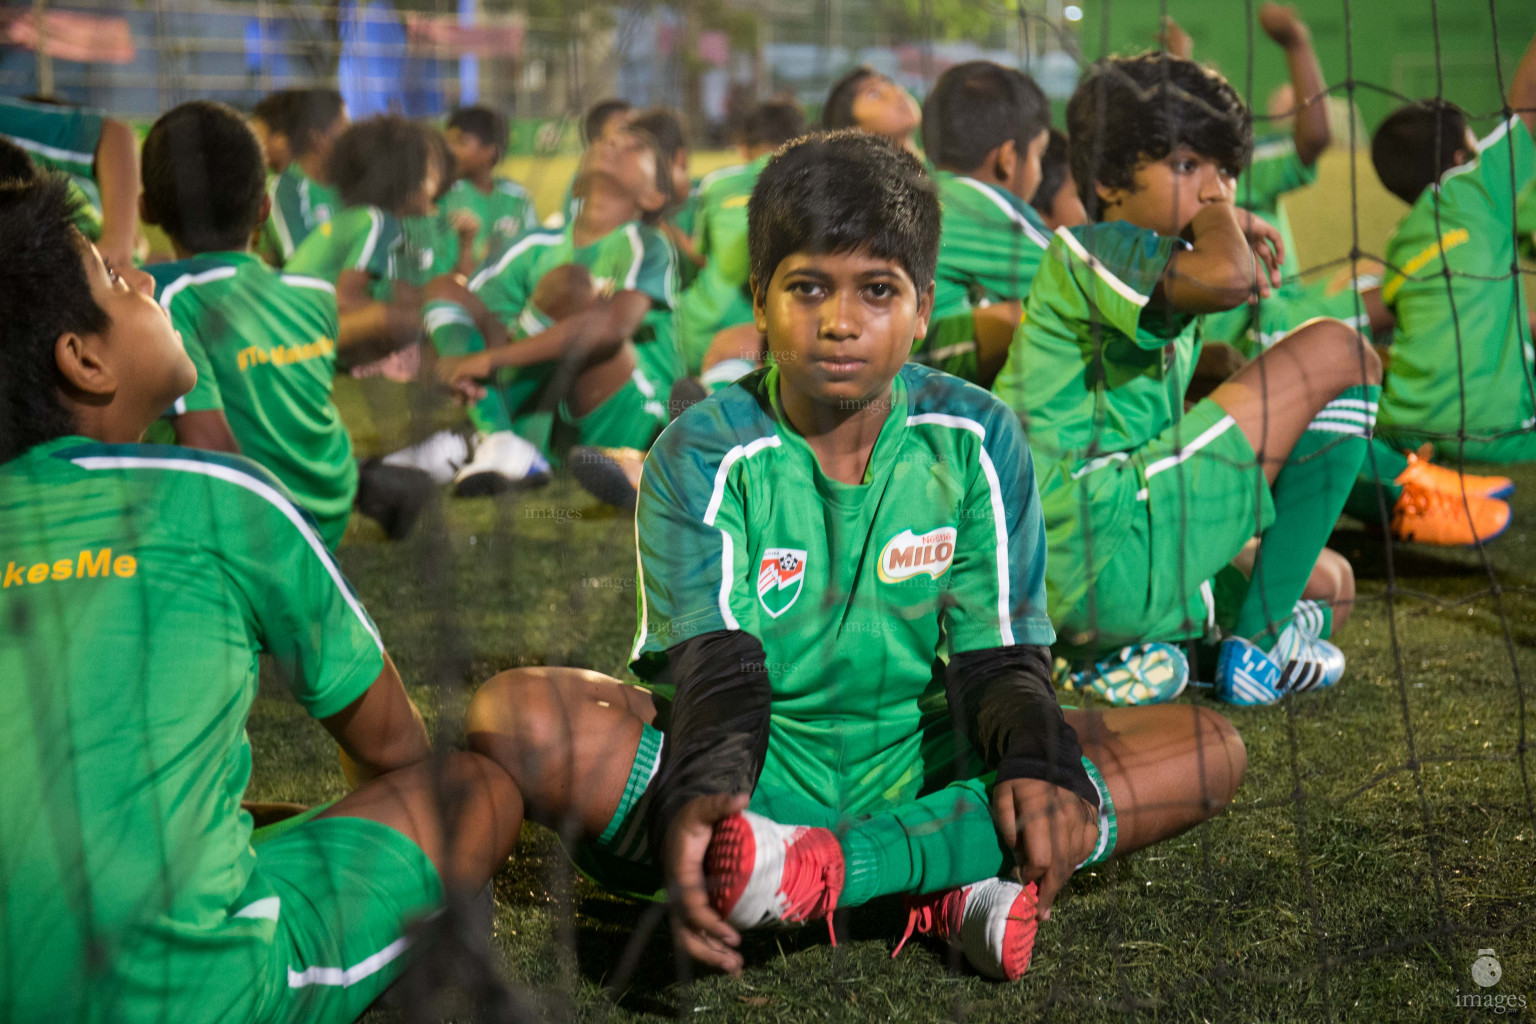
[1348, 882]
[1384, 834]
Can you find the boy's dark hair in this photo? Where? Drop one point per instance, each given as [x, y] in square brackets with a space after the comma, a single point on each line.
[837, 113]
[772, 124]
[485, 124]
[598, 115]
[204, 177]
[839, 192]
[1133, 109]
[275, 109]
[15, 163]
[1416, 145]
[663, 176]
[977, 106]
[1055, 170]
[310, 112]
[381, 161]
[42, 274]
[665, 127]
[442, 155]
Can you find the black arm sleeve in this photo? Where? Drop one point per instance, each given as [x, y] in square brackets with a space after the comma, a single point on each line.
[1003, 698]
[718, 735]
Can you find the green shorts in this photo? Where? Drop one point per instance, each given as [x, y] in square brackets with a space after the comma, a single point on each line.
[951, 346]
[621, 860]
[631, 417]
[1201, 496]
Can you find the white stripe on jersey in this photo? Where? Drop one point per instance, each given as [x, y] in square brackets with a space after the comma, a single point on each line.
[1124, 290]
[999, 517]
[284, 236]
[301, 281]
[528, 242]
[257, 487]
[377, 220]
[1002, 204]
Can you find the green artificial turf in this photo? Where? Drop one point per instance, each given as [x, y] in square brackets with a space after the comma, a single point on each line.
[1351, 880]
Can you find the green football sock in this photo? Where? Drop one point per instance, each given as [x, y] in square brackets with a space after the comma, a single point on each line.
[1309, 494]
[1383, 463]
[936, 842]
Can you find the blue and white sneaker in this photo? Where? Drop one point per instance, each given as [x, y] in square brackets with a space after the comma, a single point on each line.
[502, 461]
[1299, 662]
[1139, 674]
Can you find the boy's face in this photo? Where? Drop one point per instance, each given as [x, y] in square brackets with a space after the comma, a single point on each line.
[626, 161]
[840, 326]
[274, 145]
[1169, 192]
[423, 202]
[1027, 173]
[141, 352]
[323, 141]
[881, 107]
[471, 154]
[1066, 208]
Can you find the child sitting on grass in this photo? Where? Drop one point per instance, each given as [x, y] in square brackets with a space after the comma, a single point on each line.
[842, 629]
[501, 208]
[142, 585]
[1462, 375]
[265, 343]
[304, 196]
[598, 378]
[1145, 503]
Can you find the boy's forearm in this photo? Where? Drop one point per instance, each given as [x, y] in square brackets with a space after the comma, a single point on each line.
[1522, 88]
[1311, 132]
[1004, 701]
[610, 322]
[1217, 272]
[117, 177]
[718, 736]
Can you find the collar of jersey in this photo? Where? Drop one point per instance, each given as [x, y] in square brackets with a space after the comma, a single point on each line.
[880, 461]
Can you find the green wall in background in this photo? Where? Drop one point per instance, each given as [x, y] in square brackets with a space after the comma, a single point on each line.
[1392, 43]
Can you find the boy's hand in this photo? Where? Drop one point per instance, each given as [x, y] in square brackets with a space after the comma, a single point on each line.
[1284, 25]
[1174, 40]
[464, 373]
[1268, 248]
[701, 932]
[1049, 829]
[464, 223]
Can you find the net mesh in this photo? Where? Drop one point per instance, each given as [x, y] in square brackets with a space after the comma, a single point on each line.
[1382, 838]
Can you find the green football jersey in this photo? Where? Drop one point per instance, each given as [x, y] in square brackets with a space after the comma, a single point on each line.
[719, 297]
[504, 213]
[140, 585]
[857, 593]
[1096, 374]
[299, 206]
[57, 137]
[634, 256]
[1484, 315]
[992, 245]
[362, 238]
[429, 248]
[264, 345]
[1525, 219]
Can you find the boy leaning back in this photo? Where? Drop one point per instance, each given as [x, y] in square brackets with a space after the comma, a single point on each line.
[155, 577]
[842, 628]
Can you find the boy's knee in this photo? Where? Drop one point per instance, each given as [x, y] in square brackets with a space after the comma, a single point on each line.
[564, 291]
[1344, 351]
[515, 707]
[1225, 756]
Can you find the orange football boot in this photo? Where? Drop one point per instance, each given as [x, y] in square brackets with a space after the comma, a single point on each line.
[1435, 517]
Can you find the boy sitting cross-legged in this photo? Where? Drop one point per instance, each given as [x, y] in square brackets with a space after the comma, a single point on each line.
[141, 585]
[598, 377]
[1145, 503]
[842, 628]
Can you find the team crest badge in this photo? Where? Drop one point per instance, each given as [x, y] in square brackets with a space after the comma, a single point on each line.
[780, 574]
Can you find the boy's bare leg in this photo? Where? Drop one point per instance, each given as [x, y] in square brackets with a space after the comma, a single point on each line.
[1168, 767]
[567, 736]
[1275, 397]
[462, 810]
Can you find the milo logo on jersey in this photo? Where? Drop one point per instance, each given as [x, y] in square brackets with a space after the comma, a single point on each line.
[908, 555]
[780, 575]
